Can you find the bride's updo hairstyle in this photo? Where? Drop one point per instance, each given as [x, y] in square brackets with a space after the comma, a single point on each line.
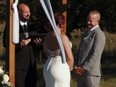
[60, 21]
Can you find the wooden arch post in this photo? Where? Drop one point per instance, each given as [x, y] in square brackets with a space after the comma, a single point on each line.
[11, 46]
[64, 2]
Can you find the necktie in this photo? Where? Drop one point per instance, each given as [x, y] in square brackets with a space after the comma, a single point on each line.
[26, 30]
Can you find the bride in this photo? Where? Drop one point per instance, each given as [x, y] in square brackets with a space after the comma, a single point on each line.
[56, 73]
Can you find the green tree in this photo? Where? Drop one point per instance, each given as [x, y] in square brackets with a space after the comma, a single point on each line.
[2, 10]
[77, 11]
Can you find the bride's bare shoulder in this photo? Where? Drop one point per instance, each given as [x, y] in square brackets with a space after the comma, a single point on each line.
[64, 37]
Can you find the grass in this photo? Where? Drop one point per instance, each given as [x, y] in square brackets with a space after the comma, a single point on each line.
[108, 59]
[107, 81]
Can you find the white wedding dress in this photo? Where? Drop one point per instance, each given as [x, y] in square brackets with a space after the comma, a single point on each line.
[56, 73]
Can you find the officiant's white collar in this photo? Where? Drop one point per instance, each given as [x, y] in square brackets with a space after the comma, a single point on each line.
[23, 23]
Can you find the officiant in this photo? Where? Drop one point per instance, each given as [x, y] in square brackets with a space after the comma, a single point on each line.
[25, 60]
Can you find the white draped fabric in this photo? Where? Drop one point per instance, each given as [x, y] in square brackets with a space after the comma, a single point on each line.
[49, 13]
[15, 35]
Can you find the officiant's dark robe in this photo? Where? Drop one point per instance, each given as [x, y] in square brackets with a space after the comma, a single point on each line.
[25, 61]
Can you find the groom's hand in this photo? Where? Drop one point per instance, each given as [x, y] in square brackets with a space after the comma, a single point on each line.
[79, 70]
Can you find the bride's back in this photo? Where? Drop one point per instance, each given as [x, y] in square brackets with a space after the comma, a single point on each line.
[51, 42]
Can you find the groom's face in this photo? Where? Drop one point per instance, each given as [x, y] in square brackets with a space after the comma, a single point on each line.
[92, 21]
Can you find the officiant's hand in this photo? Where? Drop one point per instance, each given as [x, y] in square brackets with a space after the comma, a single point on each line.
[38, 41]
[25, 42]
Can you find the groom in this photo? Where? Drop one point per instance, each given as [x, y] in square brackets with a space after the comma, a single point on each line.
[87, 63]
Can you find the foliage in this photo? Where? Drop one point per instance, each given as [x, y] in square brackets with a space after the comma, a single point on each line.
[2, 10]
[77, 11]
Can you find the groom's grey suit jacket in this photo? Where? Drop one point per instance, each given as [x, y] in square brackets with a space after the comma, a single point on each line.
[90, 51]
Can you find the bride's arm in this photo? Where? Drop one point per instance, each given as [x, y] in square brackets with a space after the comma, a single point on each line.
[68, 51]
